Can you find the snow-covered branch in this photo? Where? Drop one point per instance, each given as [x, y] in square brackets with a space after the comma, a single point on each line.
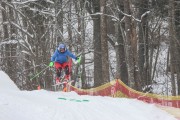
[23, 30]
[143, 15]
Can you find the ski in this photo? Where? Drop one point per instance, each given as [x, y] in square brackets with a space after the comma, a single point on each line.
[63, 82]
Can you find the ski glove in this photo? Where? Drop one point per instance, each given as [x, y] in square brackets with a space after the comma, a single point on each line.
[51, 64]
[78, 59]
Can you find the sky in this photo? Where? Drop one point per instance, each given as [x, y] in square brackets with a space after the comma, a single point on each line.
[49, 105]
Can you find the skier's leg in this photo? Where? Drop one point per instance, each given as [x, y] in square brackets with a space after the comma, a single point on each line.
[66, 72]
[58, 74]
[58, 71]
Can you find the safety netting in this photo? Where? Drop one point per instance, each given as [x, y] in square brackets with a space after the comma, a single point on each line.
[117, 88]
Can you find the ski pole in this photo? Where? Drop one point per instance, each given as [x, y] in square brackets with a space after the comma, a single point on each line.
[39, 73]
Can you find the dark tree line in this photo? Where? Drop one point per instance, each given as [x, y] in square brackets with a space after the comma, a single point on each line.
[133, 29]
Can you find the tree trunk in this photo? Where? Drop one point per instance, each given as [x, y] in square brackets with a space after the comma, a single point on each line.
[128, 41]
[172, 45]
[13, 46]
[143, 43]
[121, 68]
[97, 45]
[59, 21]
[177, 25]
[83, 38]
[80, 10]
[104, 44]
[7, 62]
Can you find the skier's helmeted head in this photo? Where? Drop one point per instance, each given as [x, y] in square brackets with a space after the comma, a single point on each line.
[62, 48]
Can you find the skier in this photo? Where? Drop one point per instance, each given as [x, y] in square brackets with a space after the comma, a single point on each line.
[60, 60]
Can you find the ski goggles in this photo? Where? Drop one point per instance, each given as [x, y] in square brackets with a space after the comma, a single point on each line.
[62, 49]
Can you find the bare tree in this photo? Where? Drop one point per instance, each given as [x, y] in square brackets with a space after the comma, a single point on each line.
[142, 43]
[93, 7]
[172, 45]
[80, 12]
[104, 43]
[10, 43]
[177, 28]
[58, 4]
[128, 44]
[39, 26]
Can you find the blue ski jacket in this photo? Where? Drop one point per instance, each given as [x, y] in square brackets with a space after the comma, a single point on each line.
[62, 57]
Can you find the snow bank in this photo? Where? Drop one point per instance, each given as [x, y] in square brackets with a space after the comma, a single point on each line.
[48, 105]
[6, 84]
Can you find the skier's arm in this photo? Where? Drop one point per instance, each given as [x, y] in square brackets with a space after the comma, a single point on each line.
[53, 57]
[71, 55]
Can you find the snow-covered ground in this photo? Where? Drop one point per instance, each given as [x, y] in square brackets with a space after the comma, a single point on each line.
[48, 105]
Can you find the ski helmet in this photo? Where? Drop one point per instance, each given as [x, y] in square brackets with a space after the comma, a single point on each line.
[62, 48]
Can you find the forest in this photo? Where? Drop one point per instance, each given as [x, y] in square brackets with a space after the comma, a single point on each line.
[137, 41]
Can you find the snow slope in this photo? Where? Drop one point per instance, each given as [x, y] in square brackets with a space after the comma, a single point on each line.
[6, 83]
[45, 105]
